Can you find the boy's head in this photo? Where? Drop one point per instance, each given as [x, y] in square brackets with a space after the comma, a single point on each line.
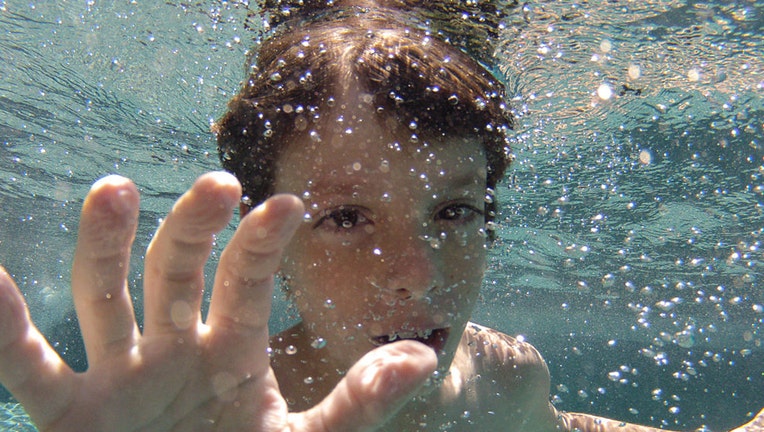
[404, 75]
[391, 138]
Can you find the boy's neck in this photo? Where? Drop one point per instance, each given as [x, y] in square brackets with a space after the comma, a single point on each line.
[305, 370]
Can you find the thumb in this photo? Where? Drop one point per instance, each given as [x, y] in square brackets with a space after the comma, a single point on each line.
[374, 389]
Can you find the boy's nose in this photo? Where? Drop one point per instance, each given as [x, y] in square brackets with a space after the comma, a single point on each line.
[413, 272]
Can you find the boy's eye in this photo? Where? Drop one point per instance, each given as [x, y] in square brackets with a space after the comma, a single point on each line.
[342, 218]
[457, 212]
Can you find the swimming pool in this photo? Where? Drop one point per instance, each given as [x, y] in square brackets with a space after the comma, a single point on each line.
[632, 220]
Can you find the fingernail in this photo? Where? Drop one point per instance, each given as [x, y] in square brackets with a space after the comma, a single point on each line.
[113, 179]
[222, 185]
[123, 200]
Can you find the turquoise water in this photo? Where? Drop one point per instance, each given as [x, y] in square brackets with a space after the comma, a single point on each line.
[630, 250]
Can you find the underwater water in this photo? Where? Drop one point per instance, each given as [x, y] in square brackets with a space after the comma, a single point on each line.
[629, 248]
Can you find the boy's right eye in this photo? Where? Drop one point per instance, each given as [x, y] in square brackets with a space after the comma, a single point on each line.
[342, 218]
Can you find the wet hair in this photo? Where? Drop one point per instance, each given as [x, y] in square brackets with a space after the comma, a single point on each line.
[303, 70]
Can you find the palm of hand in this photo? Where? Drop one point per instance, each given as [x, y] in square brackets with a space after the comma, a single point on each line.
[180, 373]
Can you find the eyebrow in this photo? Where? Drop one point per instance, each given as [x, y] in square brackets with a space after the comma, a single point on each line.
[465, 180]
[340, 188]
[346, 188]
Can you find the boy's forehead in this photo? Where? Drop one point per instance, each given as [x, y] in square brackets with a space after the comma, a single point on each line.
[344, 165]
[353, 142]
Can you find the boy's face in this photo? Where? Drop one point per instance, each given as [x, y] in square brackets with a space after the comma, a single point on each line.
[393, 244]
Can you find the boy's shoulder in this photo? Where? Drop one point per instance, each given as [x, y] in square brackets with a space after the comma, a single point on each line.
[504, 367]
[502, 378]
[490, 349]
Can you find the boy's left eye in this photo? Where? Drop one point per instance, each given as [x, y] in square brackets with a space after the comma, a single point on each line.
[457, 212]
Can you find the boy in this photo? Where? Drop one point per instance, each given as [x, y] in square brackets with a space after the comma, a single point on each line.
[390, 139]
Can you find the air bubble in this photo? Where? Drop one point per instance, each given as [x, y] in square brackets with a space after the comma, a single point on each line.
[693, 75]
[604, 91]
[318, 343]
[291, 350]
[606, 46]
[645, 157]
[435, 243]
[489, 194]
[685, 339]
[634, 71]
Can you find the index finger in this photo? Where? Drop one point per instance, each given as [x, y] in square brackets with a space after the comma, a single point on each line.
[241, 297]
[174, 265]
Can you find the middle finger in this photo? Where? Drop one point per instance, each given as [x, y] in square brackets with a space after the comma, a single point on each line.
[175, 258]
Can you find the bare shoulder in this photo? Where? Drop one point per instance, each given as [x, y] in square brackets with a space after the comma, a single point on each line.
[506, 378]
[491, 349]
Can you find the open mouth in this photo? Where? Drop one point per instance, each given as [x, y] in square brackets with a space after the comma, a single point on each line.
[434, 338]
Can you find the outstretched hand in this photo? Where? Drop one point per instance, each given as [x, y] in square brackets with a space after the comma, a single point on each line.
[181, 373]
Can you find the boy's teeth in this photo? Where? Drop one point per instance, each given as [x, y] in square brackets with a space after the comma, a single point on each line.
[421, 334]
[424, 336]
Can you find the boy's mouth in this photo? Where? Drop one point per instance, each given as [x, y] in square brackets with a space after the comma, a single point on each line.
[434, 338]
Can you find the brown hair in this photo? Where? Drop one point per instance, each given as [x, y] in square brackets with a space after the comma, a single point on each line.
[405, 73]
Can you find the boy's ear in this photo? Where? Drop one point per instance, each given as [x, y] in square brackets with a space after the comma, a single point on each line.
[243, 210]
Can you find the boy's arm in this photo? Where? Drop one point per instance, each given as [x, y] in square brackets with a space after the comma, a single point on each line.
[592, 423]
[532, 382]
[756, 424]
[522, 372]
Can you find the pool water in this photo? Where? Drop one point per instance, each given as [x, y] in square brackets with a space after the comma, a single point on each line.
[630, 245]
